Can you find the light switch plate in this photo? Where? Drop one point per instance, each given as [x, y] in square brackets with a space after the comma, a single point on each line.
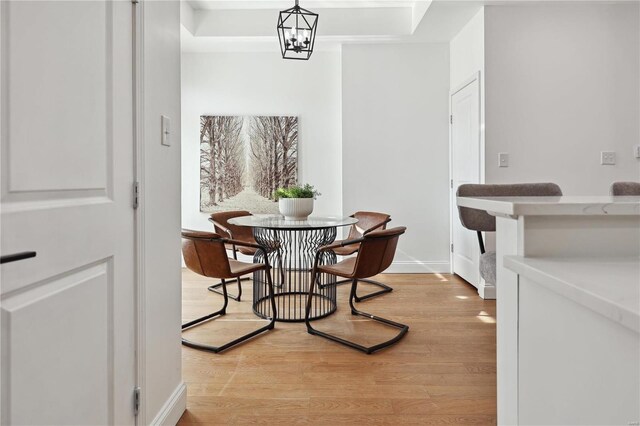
[166, 131]
[607, 158]
[636, 151]
[503, 159]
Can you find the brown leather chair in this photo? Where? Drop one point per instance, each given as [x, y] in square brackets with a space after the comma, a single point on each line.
[376, 250]
[222, 226]
[481, 221]
[367, 222]
[205, 254]
[625, 188]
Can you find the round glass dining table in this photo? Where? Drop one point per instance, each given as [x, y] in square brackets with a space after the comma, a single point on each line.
[291, 247]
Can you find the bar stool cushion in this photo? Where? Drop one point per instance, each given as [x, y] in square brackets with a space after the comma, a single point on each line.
[480, 220]
[488, 267]
[625, 188]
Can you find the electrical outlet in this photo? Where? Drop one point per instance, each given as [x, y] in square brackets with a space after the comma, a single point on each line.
[636, 151]
[503, 159]
[607, 158]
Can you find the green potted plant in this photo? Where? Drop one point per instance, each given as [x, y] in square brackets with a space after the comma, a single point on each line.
[296, 202]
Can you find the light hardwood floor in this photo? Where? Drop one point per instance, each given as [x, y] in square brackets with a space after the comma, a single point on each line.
[442, 372]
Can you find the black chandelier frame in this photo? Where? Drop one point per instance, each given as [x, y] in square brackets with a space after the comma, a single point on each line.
[293, 48]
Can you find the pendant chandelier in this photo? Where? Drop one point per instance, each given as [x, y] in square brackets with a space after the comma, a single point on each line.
[297, 32]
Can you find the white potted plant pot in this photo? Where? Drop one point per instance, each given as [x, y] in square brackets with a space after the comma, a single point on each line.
[295, 208]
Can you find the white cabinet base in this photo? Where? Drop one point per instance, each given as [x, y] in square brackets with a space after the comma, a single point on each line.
[576, 367]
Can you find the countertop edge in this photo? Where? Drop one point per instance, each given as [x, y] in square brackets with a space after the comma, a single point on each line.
[571, 291]
[514, 208]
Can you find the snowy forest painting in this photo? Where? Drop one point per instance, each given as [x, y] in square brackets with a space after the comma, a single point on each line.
[243, 160]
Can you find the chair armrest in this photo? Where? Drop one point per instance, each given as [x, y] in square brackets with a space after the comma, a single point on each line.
[381, 225]
[340, 244]
[245, 244]
[205, 235]
[224, 228]
[331, 247]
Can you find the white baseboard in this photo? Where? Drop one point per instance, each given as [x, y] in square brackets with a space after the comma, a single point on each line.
[419, 267]
[173, 408]
[486, 291]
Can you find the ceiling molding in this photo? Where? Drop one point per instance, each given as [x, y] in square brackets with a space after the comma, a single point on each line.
[307, 4]
[332, 22]
[228, 30]
[188, 17]
[249, 25]
[418, 10]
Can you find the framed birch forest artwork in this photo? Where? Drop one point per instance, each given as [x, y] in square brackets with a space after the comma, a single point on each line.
[244, 159]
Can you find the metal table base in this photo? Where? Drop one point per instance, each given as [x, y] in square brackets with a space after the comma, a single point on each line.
[297, 249]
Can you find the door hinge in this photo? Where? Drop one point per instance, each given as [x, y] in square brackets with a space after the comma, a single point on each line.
[451, 183]
[136, 400]
[136, 194]
[134, 1]
[451, 119]
[451, 247]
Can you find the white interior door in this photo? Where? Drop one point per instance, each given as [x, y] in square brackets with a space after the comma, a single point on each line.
[68, 335]
[465, 168]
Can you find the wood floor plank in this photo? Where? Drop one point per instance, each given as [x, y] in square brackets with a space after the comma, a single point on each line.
[442, 373]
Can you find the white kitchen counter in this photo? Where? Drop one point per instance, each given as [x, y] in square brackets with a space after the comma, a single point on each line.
[608, 287]
[552, 237]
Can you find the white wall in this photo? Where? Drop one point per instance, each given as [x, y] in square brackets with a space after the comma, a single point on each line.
[251, 83]
[395, 144]
[467, 51]
[466, 59]
[163, 392]
[562, 84]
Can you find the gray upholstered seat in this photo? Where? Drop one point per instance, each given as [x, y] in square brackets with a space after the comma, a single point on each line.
[481, 221]
[488, 267]
[625, 188]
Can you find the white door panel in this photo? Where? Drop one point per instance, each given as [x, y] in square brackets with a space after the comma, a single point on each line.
[67, 173]
[51, 74]
[81, 349]
[465, 168]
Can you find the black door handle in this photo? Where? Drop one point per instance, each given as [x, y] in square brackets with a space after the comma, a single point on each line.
[17, 256]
